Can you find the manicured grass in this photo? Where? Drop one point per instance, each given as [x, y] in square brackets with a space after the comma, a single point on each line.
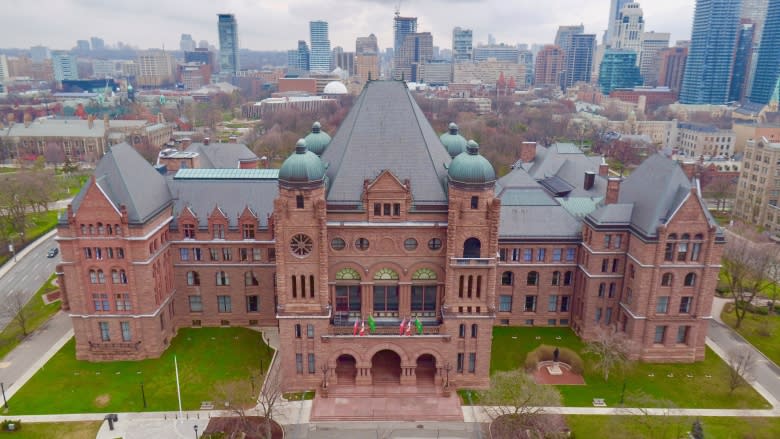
[59, 430]
[37, 314]
[752, 328]
[206, 357]
[299, 396]
[697, 392]
[603, 427]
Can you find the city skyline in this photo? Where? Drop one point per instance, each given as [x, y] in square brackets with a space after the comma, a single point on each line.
[278, 25]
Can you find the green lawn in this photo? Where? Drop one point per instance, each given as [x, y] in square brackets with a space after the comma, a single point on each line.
[206, 357]
[37, 314]
[603, 427]
[762, 331]
[511, 344]
[59, 430]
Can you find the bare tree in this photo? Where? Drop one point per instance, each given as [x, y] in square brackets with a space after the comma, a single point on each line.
[13, 309]
[270, 396]
[720, 190]
[741, 362]
[612, 349]
[517, 403]
[746, 268]
[648, 417]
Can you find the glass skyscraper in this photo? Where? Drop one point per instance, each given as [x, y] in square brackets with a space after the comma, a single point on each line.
[462, 45]
[319, 60]
[711, 55]
[228, 43]
[402, 26]
[618, 70]
[765, 80]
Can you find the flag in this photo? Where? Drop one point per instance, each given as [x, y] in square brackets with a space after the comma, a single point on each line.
[409, 327]
[403, 326]
[371, 324]
[363, 328]
[355, 329]
[418, 325]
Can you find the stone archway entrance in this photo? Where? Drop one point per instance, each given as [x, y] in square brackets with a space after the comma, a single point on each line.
[386, 367]
[346, 369]
[426, 370]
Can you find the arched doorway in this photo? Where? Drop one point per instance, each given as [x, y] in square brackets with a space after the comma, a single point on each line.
[346, 369]
[472, 248]
[386, 367]
[426, 370]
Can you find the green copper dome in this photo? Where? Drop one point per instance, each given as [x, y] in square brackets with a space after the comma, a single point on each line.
[302, 167]
[470, 168]
[317, 140]
[452, 141]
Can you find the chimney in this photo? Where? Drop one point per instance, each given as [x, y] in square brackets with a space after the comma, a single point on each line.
[527, 152]
[603, 169]
[613, 189]
[690, 169]
[91, 121]
[590, 179]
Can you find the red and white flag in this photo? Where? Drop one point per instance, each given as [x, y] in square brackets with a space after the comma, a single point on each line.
[409, 327]
[403, 327]
[363, 328]
[355, 329]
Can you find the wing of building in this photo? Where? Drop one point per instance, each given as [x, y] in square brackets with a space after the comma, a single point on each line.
[391, 226]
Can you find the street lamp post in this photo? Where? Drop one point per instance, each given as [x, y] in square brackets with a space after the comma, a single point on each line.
[143, 394]
[5, 401]
[195, 427]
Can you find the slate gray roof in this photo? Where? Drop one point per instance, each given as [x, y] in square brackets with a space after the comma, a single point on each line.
[613, 214]
[567, 162]
[221, 155]
[49, 127]
[386, 130]
[127, 179]
[656, 189]
[232, 196]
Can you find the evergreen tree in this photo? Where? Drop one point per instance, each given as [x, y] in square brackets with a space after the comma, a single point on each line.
[697, 432]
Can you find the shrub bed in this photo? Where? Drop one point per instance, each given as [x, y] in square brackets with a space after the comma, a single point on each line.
[546, 353]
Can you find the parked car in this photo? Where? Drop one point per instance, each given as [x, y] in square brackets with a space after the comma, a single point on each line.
[52, 252]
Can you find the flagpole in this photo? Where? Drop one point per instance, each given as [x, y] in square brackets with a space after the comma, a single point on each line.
[178, 389]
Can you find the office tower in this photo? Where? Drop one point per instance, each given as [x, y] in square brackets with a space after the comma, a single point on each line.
[4, 73]
[203, 44]
[186, 43]
[366, 58]
[462, 44]
[615, 6]
[39, 53]
[64, 65]
[500, 52]
[629, 29]
[756, 12]
[155, 68]
[298, 59]
[343, 60]
[526, 58]
[652, 44]
[579, 59]
[366, 45]
[491, 40]
[227, 28]
[741, 71]
[672, 67]
[82, 45]
[97, 43]
[564, 33]
[711, 55]
[765, 80]
[618, 70]
[416, 50]
[320, 47]
[549, 66]
[402, 26]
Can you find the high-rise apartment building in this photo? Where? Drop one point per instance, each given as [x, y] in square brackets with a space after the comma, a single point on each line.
[82, 45]
[155, 68]
[298, 59]
[366, 45]
[672, 67]
[564, 33]
[526, 59]
[579, 59]
[343, 60]
[630, 27]
[416, 50]
[39, 53]
[615, 6]
[97, 43]
[462, 45]
[652, 44]
[186, 43]
[4, 72]
[64, 65]
[319, 61]
[765, 80]
[227, 27]
[499, 52]
[618, 70]
[757, 195]
[711, 56]
[549, 66]
[402, 26]
[742, 57]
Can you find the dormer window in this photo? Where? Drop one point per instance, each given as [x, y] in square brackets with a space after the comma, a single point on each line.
[218, 231]
[189, 231]
[248, 231]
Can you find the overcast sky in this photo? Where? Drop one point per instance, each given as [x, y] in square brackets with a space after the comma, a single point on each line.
[278, 24]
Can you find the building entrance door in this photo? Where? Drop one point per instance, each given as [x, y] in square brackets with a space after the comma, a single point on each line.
[426, 370]
[386, 367]
[346, 369]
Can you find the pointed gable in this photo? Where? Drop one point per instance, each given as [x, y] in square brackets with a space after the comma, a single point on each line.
[386, 130]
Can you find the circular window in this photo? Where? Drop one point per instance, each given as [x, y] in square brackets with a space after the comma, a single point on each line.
[410, 244]
[434, 244]
[337, 244]
[301, 245]
[361, 244]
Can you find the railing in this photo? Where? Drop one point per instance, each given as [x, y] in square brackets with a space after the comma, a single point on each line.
[454, 312]
[383, 330]
[473, 262]
[114, 346]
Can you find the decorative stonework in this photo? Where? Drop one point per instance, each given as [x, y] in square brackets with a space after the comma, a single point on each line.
[347, 274]
[386, 274]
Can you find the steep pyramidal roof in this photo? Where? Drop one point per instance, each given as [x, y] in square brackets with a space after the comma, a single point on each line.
[386, 130]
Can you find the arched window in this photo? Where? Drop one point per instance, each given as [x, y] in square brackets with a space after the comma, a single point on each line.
[424, 274]
[602, 289]
[690, 280]
[222, 278]
[567, 278]
[472, 248]
[347, 274]
[100, 229]
[386, 274]
[556, 278]
[122, 277]
[533, 278]
[92, 276]
[101, 277]
[83, 229]
[117, 229]
[462, 330]
[386, 299]
[250, 279]
[115, 276]
[348, 300]
[91, 229]
[193, 278]
[506, 278]
[424, 293]
[666, 280]
[474, 329]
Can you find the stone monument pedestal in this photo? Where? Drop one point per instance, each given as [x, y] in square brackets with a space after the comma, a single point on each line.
[554, 370]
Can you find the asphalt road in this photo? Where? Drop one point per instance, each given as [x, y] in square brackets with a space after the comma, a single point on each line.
[27, 275]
